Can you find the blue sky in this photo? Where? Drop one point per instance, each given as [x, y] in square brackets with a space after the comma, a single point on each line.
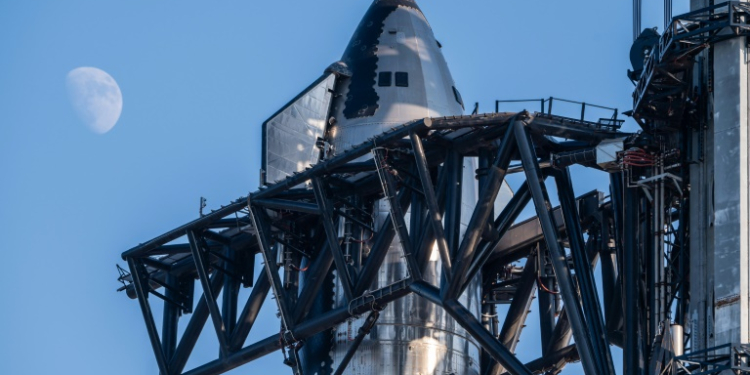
[198, 79]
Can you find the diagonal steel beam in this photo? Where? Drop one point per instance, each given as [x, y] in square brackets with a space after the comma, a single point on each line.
[171, 316]
[434, 212]
[478, 222]
[515, 318]
[148, 317]
[290, 205]
[326, 210]
[397, 216]
[194, 327]
[250, 312]
[502, 224]
[474, 327]
[315, 276]
[213, 307]
[302, 331]
[363, 331]
[262, 230]
[453, 168]
[586, 282]
[535, 180]
[380, 247]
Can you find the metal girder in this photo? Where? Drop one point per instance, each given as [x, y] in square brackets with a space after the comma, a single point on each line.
[250, 312]
[502, 224]
[478, 222]
[171, 316]
[194, 328]
[584, 276]
[302, 331]
[473, 326]
[262, 230]
[535, 180]
[397, 216]
[380, 248]
[515, 318]
[332, 238]
[208, 295]
[318, 271]
[419, 148]
[434, 213]
[363, 331]
[148, 317]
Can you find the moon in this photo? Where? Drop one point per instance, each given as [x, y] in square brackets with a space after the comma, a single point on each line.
[96, 98]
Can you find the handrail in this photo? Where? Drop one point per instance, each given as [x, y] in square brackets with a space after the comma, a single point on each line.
[546, 109]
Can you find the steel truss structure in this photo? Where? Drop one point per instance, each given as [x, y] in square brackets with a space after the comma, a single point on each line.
[638, 238]
[293, 225]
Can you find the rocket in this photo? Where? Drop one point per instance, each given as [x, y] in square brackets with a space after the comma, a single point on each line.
[392, 72]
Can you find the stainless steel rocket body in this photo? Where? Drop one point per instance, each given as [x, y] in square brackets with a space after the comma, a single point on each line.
[399, 74]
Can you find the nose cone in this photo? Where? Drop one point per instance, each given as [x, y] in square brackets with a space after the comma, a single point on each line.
[398, 70]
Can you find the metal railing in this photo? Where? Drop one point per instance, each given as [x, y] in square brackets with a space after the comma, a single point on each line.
[546, 105]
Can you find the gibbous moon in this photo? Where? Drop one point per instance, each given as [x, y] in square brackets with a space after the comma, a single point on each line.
[95, 97]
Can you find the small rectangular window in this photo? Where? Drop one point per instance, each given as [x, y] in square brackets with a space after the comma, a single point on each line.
[384, 79]
[402, 79]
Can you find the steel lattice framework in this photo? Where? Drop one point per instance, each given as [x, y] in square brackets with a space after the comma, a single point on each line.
[639, 238]
[419, 173]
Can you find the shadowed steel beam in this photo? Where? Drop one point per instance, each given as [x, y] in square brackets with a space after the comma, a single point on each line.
[302, 331]
[250, 312]
[194, 327]
[562, 333]
[363, 331]
[282, 204]
[546, 302]
[208, 294]
[515, 319]
[397, 216]
[454, 169]
[315, 276]
[503, 223]
[434, 215]
[380, 247]
[272, 271]
[474, 327]
[535, 180]
[586, 282]
[171, 317]
[478, 222]
[554, 361]
[326, 209]
[231, 291]
[148, 317]
[172, 235]
[631, 357]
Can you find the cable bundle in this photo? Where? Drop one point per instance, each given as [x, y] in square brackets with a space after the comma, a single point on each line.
[637, 157]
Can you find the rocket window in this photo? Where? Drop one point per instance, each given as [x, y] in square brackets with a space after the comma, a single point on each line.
[384, 79]
[402, 79]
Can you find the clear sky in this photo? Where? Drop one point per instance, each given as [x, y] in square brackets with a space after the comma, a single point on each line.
[198, 79]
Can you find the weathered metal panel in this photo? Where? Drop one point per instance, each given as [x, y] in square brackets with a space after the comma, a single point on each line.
[290, 136]
[731, 218]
